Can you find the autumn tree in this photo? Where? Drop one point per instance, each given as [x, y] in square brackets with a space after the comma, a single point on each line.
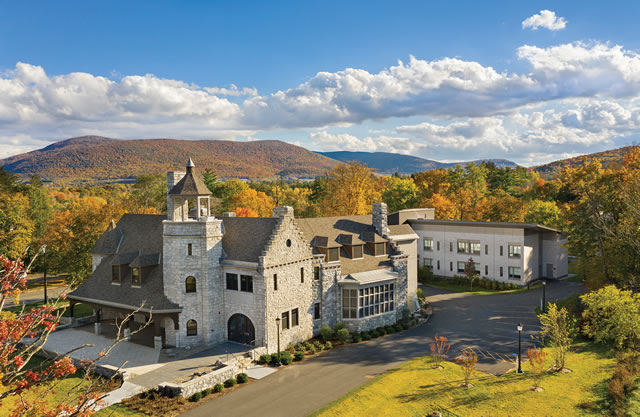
[445, 209]
[470, 272]
[351, 189]
[467, 361]
[16, 225]
[149, 194]
[399, 193]
[225, 192]
[257, 201]
[558, 331]
[541, 212]
[439, 349]
[536, 362]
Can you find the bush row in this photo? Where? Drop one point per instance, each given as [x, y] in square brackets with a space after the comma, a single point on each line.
[425, 276]
[241, 378]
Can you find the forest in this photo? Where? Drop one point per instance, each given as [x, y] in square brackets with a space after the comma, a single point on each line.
[596, 206]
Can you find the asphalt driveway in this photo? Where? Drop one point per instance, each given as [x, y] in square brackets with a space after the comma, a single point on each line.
[487, 322]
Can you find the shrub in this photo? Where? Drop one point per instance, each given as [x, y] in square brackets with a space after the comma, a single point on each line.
[312, 350]
[338, 326]
[230, 383]
[374, 334]
[206, 392]
[404, 326]
[536, 361]
[398, 327]
[467, 360]
[343, 335]
[319, 346]
[425, 275]
[558, 329]
[298, 347]
[218, 388]
[196, 397]
[286, 358]
[328, 346]
[420, 295]
[242, 378]
[357, 338]
[494, 285]
[326, 333]
[298, 356]
[502, 286]
[381, 331]
[365, 336]
[264, 359]
[307, 346]
[439, 349]
[274, 359]
[389, 329]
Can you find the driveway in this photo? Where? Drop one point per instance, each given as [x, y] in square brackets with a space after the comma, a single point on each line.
[484, 321]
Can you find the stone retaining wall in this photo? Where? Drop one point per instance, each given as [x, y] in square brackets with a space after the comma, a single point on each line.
[187, 389]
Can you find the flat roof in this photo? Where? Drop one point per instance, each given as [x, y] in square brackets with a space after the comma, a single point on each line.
[512, 225]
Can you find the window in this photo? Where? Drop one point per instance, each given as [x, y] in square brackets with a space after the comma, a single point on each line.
[427, 243]
[462, 247]
[501, 254]
[515, 250]
[428, 263]
[486, 269]
[357, 251]
[192, 328]
[380, 249]
[501, 273]
[349, 304]
[294, 317]
[333, 254]
[450, 266]
[189, 249]
[136, 280]
[246, 283]
[275, 282]
[190, 284]
[450, 246]
[514, 272]
[285, 320]
[438, 265]
[461, 266]
[232, 282]
[470, 247]
[486, 249]
[438, 245]
[115, 274]
[316, 311]
[302, 275]
[316, 273]
[475, 247]
[376, 300]
[288, 243]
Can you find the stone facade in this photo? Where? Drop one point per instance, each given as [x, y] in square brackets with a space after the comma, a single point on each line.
[199, 384]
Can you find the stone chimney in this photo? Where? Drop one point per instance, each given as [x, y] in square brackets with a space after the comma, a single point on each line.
[379, 215]
[173, 177]
[283, 211]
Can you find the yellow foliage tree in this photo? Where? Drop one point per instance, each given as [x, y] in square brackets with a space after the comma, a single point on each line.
[254, 200]
[351, 190]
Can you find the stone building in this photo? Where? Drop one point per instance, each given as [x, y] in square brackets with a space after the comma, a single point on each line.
[205, 280]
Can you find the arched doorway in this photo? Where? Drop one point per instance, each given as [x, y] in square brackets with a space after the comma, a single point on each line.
[240, 329]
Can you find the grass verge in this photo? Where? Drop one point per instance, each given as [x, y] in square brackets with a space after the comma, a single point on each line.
[445, 284]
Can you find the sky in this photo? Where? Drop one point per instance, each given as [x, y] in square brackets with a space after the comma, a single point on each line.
[452, 81]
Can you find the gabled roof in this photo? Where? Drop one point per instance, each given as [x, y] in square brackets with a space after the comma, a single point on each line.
[245, 238]
[349, 239]
[190, 185]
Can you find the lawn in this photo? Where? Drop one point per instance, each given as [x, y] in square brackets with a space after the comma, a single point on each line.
[448, 285]
[80, 310]
[415, 389]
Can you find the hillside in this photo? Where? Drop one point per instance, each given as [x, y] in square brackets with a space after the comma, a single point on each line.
[96, 159]
[606, 158]
[390, 163]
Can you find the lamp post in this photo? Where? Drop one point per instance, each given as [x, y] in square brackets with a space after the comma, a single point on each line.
[278, 363]
[44, 252]
[519, 370]
[544, 295]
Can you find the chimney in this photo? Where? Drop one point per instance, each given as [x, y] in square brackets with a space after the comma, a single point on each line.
[229, 214]
[283, 211]
[379, 217]
[173, 177]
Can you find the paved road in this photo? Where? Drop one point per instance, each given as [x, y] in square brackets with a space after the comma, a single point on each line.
[485, 321]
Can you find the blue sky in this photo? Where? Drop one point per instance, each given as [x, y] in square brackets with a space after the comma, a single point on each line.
[475, 81]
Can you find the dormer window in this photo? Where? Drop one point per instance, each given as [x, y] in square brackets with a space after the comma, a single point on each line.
[357, 251]
[115, 274]
[380, 249]
[333, 254]
[136, 278]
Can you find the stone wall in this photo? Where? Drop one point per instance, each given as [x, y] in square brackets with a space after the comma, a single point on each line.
[370, 323]
[379, 217]
[187, 389]
[249, 304]
[400, 266]
[329, 275]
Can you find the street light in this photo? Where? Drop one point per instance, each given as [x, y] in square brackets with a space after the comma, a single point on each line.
[44, 252]
[519, 370]
[544, 295]
[278, 363]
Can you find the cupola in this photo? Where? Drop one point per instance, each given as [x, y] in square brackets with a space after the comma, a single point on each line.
[190, 197]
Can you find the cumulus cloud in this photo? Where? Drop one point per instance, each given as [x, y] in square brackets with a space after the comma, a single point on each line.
[325, 141]
[545, 19]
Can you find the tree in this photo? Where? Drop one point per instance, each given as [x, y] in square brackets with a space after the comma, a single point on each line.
[470, 272]
[210, 179]
[501, 207]
[536, 362]
[399, 193]
[445, 209]
[16, 226]
[257, 201]
[558, 329]
[439, 349]
[39, 207]
[149, 192]
[541, 212]
[467, 361]
[351, 189]
[225, 191]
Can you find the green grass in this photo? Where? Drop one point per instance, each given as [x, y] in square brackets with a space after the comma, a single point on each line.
[80, 310]
[118, 410]
[448, 285]
[415, 389]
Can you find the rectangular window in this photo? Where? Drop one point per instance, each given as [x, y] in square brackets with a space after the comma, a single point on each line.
[427, 243]
[486, 269]
[285, 320]
[450, 246]
[515, 250]
[465, 246]
[376, 300]
[357, 251]
[450, 266]
[316, 311]
[476, 267]
[294, 317]
[275, 282]
[189, 249]
[514, 272]
[316, 273]
[232, 282]
[246, 283]
[438, 265]
[486, 249]
[302, 275]
[333, 254]
[461, 266]
[501, 254]
[438, 245]
[462, 247]
[501, 272]
[350, 304]
[115, 274]
[428, 263]
[475, 247]
[380, 249]
[135, 277]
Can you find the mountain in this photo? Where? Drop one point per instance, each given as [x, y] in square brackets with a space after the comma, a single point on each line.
[390, 163]
[95, 159]
[606, 158]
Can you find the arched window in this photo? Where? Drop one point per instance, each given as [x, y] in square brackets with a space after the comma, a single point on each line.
[190, 284]
[192, 328]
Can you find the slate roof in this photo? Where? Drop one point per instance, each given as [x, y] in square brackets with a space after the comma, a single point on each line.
[140, 245]
[245, 238]
[190, 185]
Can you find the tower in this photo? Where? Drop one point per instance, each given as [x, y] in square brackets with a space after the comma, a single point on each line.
[192, 247]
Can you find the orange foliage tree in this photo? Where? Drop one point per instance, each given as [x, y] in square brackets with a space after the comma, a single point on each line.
[256, 201]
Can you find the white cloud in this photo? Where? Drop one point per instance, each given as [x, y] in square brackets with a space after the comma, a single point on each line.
[325, 141]
[545, 19]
